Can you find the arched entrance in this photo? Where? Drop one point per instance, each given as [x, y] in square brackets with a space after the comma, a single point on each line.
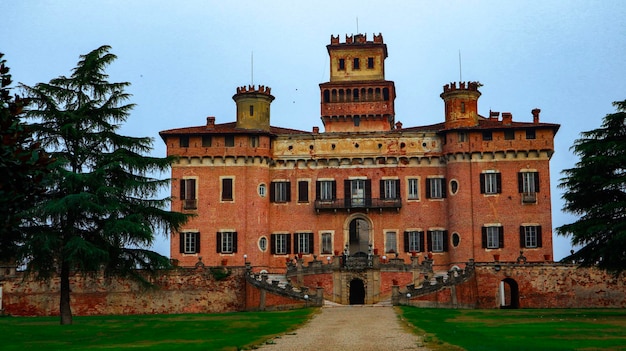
[357, 292]
[509, 293]
[359, 237]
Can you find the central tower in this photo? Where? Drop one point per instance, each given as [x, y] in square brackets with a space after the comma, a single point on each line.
[357, 98]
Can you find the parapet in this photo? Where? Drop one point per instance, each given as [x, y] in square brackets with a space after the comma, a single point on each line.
[252, 89]
[357, 39]
[469, 86]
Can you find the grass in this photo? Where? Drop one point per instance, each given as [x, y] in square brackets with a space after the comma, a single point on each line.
[513, 330]
[228, 331]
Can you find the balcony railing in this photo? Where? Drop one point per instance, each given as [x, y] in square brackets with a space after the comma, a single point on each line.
[190, 204]
[529, 198]
[365, 203]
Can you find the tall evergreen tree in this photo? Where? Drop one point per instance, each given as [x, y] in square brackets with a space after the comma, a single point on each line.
[101, 211]
[595, 190]
[22, 165]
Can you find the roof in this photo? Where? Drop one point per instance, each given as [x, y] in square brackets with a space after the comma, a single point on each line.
[484, 124]
[227, 128]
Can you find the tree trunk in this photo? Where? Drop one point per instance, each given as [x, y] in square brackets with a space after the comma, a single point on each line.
[64, 305]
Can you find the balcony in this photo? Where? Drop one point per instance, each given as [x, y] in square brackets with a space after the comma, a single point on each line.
[190, 204]
[529, 198]
[358, 203]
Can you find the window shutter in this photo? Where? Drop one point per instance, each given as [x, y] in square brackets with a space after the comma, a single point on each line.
[368, 192]
[382, 189]
[520, 182]
[421, 238]
[428, 188]
[499, 183]
[522, 236]
[182, 242]
[482, 183]
[227, 189]
[311, 242]
[198, 242]
[192, 192]
[317, 190]
[303, 191]
[430, 241]
[182, 189]
[288, 237]
[272, 192]
[406, 241]
[397, 181]
[288, 192]
[346, 192]
[273, 244]
[536, 175]
[334, 190]
[484, 235]
[445, 241]
[234, 241]
[444, 188]
[539, 243]
[218, 242]
[501, 236]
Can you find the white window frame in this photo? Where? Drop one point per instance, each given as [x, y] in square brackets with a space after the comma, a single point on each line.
[436, 188]
[531, 236]
[280, 190]
[436, 237]
[303, 243]
[414, 241]
[190, 244]
[389, 189]
[491, 183]
[493, 237]
[280, 243]
[326, 243]
[413, 189]
[227, 244]
[326, 190]
[391, 241]
[528, 182]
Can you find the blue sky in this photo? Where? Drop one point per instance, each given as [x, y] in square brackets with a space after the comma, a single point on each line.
[185, 60]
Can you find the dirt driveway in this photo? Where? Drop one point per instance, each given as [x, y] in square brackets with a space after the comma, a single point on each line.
[356, 327]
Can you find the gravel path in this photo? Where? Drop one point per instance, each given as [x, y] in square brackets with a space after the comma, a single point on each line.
[362, 328]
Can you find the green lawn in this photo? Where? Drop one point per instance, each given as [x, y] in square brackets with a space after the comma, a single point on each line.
[229, 331]
[511, 330]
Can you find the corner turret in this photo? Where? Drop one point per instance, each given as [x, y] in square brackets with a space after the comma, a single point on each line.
[253, 107]
[461, 104]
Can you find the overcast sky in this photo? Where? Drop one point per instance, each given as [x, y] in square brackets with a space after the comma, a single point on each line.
[185, 59]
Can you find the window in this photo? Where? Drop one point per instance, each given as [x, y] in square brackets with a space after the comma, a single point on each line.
[390, 189]
[530, 236]
[528, 183]
[487, 136]
[262, 190]
[509, 134]
[435, 188]
[370, 62]
[254, 141]
[357, 121]
[356, 63]
[358, 192]
[342, 64]
[263, 244]
[183, 140]
[462, 137]
[304, 243]
[189, 242]
[303, 191]
[251, 110]
[490, 183]
[454, 186]
[413, 241]
[327, 243]
[188, 194]
[456, 239]
[493, 237]
[438, 240]
[462, 107]
[280, 244]
[390, 242]
[229, 140]
[227, 189]
[530, 134]
[326, 190]
[206, 141]
[413, 189]
[280, 191]
[226, 242]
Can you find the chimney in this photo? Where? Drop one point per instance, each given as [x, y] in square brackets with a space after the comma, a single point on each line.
[210, 122]
[494, 115]
[535, 113]
[507, 118]
[316, 130]
[398, 125]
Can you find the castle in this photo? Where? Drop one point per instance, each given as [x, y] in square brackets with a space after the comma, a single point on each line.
[367, 190]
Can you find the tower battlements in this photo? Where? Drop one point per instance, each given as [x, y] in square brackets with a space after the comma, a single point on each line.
[356, 39]
[262, 89]
[469, 86]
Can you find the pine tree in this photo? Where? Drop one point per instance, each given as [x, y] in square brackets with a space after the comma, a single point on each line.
[22, 165]
[101, 211]
[595, 190]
